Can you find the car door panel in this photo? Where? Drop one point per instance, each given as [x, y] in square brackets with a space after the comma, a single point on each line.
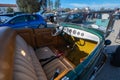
[33, 21]
[18, 22]
[44, 37]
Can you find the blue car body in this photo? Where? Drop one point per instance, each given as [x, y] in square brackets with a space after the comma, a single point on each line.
[25, 21]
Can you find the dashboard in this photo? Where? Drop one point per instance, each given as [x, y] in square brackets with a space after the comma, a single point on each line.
[80, 34]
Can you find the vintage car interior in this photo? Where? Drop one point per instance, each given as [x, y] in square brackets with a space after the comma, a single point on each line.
[34, 54]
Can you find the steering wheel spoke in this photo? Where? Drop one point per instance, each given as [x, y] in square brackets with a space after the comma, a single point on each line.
[56, 31]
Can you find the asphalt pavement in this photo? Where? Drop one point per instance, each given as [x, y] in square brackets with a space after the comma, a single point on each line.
[109, 72]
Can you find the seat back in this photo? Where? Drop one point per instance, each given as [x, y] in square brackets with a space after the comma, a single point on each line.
[19, 62]
[17, 59]
[7, 47]
[26, 64]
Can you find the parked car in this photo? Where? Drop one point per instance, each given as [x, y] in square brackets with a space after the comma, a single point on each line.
[72, 52]
[7, 16]
[26, 21]
[4, 18]
[47, 16]
[116, 16]
[72, 17]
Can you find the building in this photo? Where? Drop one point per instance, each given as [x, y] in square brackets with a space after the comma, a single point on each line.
[3, 8]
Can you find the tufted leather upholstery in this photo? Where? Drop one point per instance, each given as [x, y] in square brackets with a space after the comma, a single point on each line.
[18, 60]
[7, 46]
[59, 63]
[26, 66]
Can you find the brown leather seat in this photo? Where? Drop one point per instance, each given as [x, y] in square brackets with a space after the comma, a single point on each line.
[7, 46]
[26, 65]
[60, 64]
[18, 60]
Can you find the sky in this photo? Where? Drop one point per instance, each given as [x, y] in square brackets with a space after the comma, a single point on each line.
[95, 4]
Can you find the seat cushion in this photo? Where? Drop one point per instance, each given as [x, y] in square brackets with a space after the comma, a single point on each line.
[56, 64]
[44, 52]
[37, 66]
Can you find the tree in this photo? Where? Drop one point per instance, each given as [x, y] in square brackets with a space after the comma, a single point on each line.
[67, 9]
[102, 9]
[57, 4]
[50, 4]
[10, 10]
[31, 6]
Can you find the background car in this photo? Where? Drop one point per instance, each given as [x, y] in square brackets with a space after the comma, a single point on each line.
[116, 16]
[26, 21]
[47, 16]
[4, 18]
[73, 17]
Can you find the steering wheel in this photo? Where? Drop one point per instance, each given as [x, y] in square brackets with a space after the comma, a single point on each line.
[57, 30]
